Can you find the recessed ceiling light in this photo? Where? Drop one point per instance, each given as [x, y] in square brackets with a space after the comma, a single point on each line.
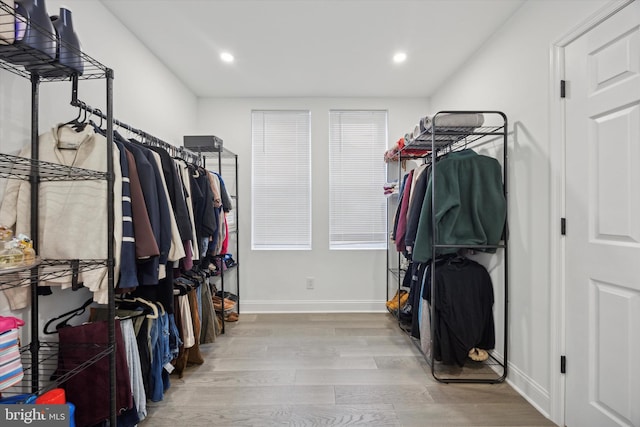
[399, 57]
[226, 57]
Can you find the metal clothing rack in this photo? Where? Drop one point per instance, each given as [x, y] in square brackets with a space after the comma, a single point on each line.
[36, 171]
[195, 158]
[147, 139]
[429, 145]
[212, 147]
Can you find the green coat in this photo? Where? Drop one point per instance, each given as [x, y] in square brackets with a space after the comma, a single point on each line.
[470, 204]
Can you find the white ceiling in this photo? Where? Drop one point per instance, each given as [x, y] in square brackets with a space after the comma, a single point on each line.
[291, 48]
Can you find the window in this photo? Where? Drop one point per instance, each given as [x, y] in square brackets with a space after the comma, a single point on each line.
[357, 206]
[281, 180]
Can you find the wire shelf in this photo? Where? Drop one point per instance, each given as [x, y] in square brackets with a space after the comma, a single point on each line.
[50, 375]
[17, 56]
[487, 371]
[448, 138]
[16, 167]
[48, 270]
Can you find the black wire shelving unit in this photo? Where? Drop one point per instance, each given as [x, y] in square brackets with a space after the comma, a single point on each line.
[430, 144]
[21, 59]
[211, 147]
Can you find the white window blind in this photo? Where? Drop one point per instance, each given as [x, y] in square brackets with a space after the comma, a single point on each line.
[281, 180]
[357, 206]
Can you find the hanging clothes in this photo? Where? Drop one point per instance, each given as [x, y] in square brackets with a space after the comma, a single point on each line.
[135, 369]
[146, 245]
[149, 270]
[204, 209]
[176, 194]
[128, 278]
[227, 205]
[419, 189]
[194, 354]
[470, 204]
[215, 240]
[397, 214]
[402, 215]
[72, 214]
[176, 250]
[463, 315]
[225, 242]
[208, 319]
[185, 177]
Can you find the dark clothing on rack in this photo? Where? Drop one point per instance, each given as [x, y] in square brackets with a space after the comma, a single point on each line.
[396, 218]
[463, 317]
[146, 245]
[148, 270]
[162, 293]
[194, 355]
[164, 206]
[176, 193]
[180, 361]
[418, 270]
[204, 210]
[401, 225]
[415, 207]
[128, 274]
[227, 205]
[144, 349]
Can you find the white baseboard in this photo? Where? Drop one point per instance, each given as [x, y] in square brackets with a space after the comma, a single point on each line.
[312, 306]
[533, 392]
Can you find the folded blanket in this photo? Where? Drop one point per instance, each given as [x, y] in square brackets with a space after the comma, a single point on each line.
[470, 120]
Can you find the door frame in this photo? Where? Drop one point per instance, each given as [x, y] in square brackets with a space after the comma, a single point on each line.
[557, 262]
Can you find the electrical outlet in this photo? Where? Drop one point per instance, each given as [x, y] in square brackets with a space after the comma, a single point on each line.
[310, 282]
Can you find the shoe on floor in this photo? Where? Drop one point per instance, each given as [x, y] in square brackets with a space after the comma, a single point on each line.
[478, 355]
[393, 303]
[228, 304]
[231, 317]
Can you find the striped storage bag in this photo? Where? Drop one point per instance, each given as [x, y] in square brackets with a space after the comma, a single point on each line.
[11, 371]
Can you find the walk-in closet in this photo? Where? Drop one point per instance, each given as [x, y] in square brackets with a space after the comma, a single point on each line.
[319, 213]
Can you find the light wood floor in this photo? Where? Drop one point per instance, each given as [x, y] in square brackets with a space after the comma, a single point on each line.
[327, 370]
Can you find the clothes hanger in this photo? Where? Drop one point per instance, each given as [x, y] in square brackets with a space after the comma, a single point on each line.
[79, 127]
[76, 120]
[459, 258]
[152, 306]
[162, 311]
[466, 142]
[145, 313]
[148, 304]
[66, 317]
[92, 123]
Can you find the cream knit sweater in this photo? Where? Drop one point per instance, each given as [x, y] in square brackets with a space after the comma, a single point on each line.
[73, 214]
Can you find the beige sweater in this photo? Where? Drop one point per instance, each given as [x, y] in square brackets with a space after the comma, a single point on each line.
[73, 214]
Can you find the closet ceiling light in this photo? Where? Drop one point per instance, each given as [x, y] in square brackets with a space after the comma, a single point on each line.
[226, 57]
[399, 57]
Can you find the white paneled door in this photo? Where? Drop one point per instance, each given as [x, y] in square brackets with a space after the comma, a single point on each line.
[603, 224]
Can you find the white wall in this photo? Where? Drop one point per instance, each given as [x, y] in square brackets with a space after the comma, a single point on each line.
[146, 95]
[511, 73]
[275, 280]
